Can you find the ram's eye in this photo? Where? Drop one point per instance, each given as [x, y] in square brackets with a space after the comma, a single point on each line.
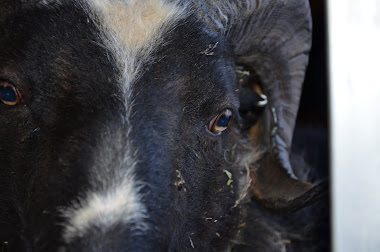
[9, 94]
[220, 122]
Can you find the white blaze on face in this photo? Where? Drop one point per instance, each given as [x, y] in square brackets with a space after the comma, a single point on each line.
[131, 30]
[120, 204]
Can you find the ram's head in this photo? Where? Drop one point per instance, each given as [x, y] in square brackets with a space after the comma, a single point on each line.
[147, 125]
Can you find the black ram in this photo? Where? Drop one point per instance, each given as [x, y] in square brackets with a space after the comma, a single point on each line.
[149, 125]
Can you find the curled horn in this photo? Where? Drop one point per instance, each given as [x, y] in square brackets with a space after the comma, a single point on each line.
[272, 37]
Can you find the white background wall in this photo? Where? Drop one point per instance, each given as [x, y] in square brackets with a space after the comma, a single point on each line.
[354, 63]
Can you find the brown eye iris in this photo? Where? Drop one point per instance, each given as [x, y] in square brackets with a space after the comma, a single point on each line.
[220, 122]
[9, 94]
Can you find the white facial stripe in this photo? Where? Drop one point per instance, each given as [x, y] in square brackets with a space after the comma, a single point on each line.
[131, 30]
[115, 197]
[118, 205]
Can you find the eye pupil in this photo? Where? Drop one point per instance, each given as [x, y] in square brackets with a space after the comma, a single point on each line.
[8, 94]
[220, 122]
[224, 120]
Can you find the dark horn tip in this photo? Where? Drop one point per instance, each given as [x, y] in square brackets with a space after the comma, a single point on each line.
[280, 206]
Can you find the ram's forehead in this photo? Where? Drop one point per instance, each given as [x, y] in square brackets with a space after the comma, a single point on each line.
[132, 29]
[136, 22]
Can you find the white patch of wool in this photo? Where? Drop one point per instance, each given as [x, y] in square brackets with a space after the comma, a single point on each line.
[117, 205]
[115, 197]
[131, 30]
